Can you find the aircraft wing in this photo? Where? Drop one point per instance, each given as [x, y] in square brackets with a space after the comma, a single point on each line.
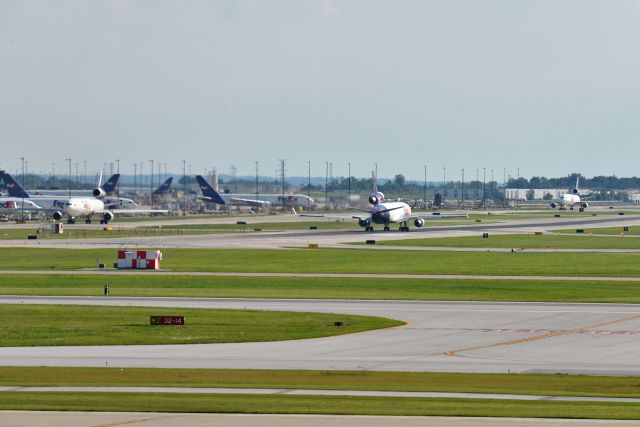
[437, 215]
[250, 202]
[134, 211]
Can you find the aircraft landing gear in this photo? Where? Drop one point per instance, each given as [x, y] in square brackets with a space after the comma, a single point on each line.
[404, 227]
[71, 221]
[581, 210]
[87, 221]
[369, 228]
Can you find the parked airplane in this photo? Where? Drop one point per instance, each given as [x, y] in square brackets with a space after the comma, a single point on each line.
[262, 200]
[164, 187]
[569, 200]
[71, 207]
[386, 213]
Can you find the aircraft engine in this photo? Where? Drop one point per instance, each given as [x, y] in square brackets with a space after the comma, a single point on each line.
[575, 191]
[584, 205]
[106, 217]
[418, 222]
[57, 215]
[554, 205]
[376, 198]
[363, 223]
[98, 192]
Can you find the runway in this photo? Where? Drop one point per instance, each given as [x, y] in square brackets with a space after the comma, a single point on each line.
[327, 238]
[143, 419]
[439, 336]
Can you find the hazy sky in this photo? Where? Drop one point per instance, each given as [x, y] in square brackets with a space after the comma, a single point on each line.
[551, 87]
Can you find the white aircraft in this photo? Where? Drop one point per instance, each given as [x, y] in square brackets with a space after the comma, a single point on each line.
[71, 207]
[386, 213]
[569, 200]
[262, 200]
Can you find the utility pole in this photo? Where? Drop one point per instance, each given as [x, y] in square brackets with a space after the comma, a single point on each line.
[493, 186]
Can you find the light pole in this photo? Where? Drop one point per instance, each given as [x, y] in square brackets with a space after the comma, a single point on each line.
[425, 187]
[484, 187]
[257, 181]
[462, 188]
[151, 185]
[22, 210]
[52, 183]
[326, 186]
[444, 182]
[309, 184]
[69, 177]
[184, 188]
[349, 184]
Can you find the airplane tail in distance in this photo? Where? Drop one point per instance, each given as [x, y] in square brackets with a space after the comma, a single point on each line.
[374, 183]
[208, 191]
[164, 187]
[13, 188]
[110, 184]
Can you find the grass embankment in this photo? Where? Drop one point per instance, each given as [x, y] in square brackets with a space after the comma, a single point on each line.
[536, 384]
[339, 405]
[150, 285]
[341, 261]
[46, 325]
[524, 241]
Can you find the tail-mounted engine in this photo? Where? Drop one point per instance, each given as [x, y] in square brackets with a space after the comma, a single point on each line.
[418, 222]
[376, 198]
[98, 193]
[575, 191]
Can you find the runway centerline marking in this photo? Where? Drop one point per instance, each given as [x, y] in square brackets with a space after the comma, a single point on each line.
[541, 337]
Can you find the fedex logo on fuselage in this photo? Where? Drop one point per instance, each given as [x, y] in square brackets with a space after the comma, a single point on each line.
[58, 204]
[8, 205]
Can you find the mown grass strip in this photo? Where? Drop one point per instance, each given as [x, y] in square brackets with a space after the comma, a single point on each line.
[46, 325]
[522, 241]
[341, 261]
[146, 285]
[536, 384]
[339, 405]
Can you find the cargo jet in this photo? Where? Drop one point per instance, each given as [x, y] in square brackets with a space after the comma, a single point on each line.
[386, 213]
[569, 200]
[71, 207]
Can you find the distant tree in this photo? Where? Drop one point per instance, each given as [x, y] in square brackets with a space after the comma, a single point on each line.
[399, 180]
[547, 196]
[531, 194]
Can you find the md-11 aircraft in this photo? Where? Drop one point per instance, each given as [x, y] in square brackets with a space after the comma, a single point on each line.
[385, 213]
[569, 200]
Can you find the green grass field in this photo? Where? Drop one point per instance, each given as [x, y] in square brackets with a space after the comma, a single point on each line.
[547, 385]
[524, 241]
[612, 231]
[341, 261]
[146, 285]
[339, 405]
[46, 325]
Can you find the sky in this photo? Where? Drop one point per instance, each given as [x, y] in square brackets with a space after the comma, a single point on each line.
[548, 87]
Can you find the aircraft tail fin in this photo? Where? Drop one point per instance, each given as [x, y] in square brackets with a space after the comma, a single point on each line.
[374, 183]
[13, 188]
[164, 187]
[111, 183]
[208, 191]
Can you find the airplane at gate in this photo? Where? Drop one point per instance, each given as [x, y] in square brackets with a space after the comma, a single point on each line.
[71, 207]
